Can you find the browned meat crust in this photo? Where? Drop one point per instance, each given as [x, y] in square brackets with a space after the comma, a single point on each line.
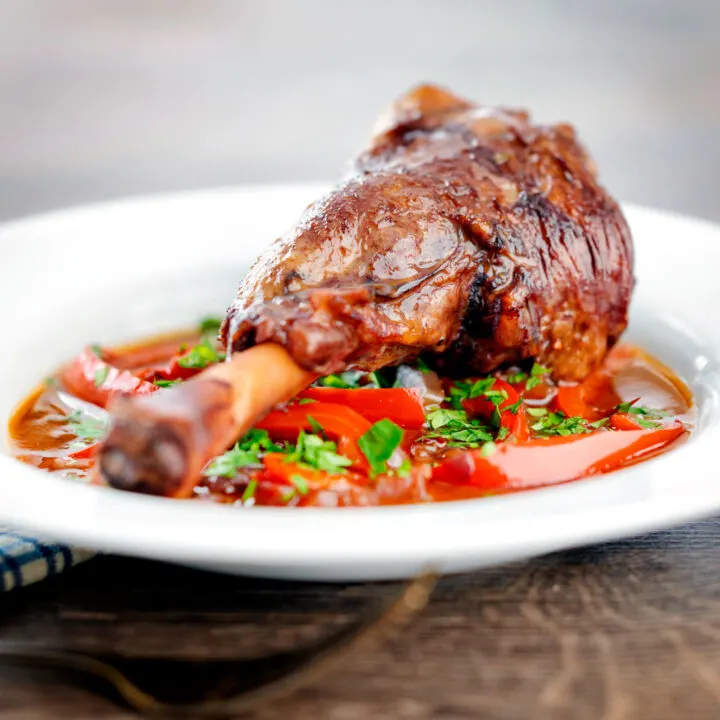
[465, 232]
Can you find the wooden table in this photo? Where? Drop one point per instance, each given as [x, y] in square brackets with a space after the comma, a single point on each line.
[102, 100]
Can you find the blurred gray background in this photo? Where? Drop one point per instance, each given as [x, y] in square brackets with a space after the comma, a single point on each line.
[107, 98]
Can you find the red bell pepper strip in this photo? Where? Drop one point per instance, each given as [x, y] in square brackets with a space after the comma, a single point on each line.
[623, 421]
[570, 401]
[338, 421]
[483, 407]
[403, 406]
[92, 379]
[553, 460]
[591, 400]
[86, 452]
[520, 430]
[277, 467]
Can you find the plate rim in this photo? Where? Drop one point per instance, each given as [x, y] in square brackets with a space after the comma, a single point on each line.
[88, 504]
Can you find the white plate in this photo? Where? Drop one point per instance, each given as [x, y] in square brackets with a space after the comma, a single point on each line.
[118, 271]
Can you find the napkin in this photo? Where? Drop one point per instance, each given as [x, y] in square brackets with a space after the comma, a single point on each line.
[25, 559]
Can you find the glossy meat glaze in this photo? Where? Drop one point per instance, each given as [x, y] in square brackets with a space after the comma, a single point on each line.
[462, 231]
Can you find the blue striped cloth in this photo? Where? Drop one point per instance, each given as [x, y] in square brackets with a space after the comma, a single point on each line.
[25, 560]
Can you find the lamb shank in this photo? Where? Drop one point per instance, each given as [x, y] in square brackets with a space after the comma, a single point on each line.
[463, 232]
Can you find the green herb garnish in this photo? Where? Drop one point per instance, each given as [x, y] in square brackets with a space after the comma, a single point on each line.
[455, 427]
[317, 428]
[555, 423]
[288, 495]
[488, 449]
[536, 412]
[306, 401]
[517, 377]
[379, 443]
[101, 375]
[86, 428]
[405, 468]
[644, 423]
[201, 356]
[250, 490]
[166, 383]
[248, 451]
[300, 484]
[344, 381]
[645, 417]
[384, 378]
[210, 326]
[317, 453]
[537, 374]
[514, 407]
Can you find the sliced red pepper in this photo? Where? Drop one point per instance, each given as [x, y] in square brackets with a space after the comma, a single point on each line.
[520, 429]
[403, 406]
[570, 400]
[147, 356]
[591, 400]
[338, 421]
[171, 371]
[276, 465]
[86, 452]
[481, 406]
[623, 421]
[553, 460]
[92, 379]
[512, 421]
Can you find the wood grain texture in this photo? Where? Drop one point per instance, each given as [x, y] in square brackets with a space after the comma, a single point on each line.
[620, 631]
[104, 99]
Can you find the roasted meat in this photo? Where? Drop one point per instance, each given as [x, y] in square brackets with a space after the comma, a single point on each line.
[463, 231]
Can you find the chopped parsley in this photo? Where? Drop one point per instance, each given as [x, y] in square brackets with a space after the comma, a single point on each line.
[250, 490]
[210, 326]
[405, 468]
[468, 391]
[483, 387]
[379, 443]
[536, 412]
[537, 374]
[306, 401]
[166, 383]
[246, 452]
[354, 379]
[556, 423]
[317, 453]
[317, 428]
[421, 365]
[455, 427]
[86, 428]
[645, 417]
[344, 381]
[488, 449]
[201, 356]
[517, 377]
[288, 495]
[514, 407]
[384, 378]
[300, 484]
[648, 424]
[101, 375]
